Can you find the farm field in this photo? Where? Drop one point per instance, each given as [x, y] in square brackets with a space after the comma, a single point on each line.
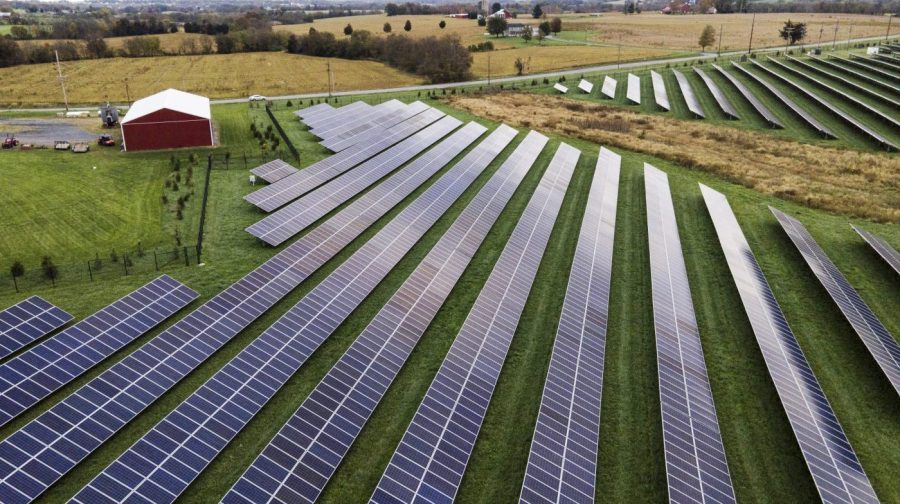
[763, 457]
[168, 42]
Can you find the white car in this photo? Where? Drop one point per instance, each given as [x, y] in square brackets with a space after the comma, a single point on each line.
[257, 97]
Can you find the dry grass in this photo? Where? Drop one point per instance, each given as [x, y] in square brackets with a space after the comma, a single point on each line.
[556, 57]
[168, 42]
[652, 29]
[422, 26]
[215, 75]
[844, 181]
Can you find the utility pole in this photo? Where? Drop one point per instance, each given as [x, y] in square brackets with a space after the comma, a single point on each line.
[330, 78]
[489, 70]
[849, 34]
[752, 25]
[127, 94]
[619, 59]
[834, 41]
[62, 83]
[888, 34]
[821, 31]
[719, 49]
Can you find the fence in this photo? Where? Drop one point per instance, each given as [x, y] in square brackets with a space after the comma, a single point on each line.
[243, 160]
[101, 267]
[287, 141]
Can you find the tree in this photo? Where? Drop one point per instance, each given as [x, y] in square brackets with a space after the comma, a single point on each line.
[707, 37]
[537, 12]
[348, 30]
[541, 36]
[544, 27]
[495, 7]
[408, 26]
[793, 32]
[19, 33]
[526, 35]
[16, 270]
[392, 9]
[521, 65]
[387, 28]
[628, 7]
[556, 25]
[497, 26]
[481, 22]
[95, 47]
[442, 24]
[51, 272]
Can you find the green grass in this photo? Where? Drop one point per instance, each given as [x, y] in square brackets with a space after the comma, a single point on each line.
[765, 462]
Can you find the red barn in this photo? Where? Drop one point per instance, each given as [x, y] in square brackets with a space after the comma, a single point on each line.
[169, 119]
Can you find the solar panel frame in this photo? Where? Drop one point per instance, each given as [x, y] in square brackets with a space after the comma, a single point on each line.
[889, 60]
[338, 116]
[609, 87]
[802, 114]
[847, 82]
[454, 406]
[273, 171]
[378, 139]
[562, 460]
[748, 95]
[28, 321]
[314, 110]
[696, 464]
[860, 65]
[834, 466]
[33, 375]
[876, 63]
[352, 120]
[385, 119]
[285, 223]
[687, 92]
[660, 96]
[881, 247]
[585, 86]
[633, 91]
[857, 75]
[714, 89]
[559, 87]
[356, 383]
[871, 331]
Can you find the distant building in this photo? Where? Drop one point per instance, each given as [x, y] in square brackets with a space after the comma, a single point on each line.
[519, 29]
[169, 119]
[502, 13]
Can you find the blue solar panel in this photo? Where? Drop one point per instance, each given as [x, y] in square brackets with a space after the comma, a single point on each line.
[33, 375]
[237, 392]
[429, 463]
[336, 411]
[387, 120]
[27, 321]
[835, 468]
[883, 248]
[696, 467]
[874, 335]
[273, 171]
[562, 463]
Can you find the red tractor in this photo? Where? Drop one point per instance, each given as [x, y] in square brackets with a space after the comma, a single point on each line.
[10, 142]
[106, 141]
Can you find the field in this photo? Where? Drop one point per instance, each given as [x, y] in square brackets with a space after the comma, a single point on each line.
[215, 75]
[765, 463]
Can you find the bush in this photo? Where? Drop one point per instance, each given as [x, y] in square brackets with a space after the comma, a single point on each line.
[113, 256]
[51, 272]
[17, 269]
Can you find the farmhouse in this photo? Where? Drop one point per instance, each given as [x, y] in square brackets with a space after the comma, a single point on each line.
[169, 119]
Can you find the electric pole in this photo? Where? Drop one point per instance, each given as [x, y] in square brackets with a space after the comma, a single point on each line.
[849, 34]
[719, 49]
[752, 25]
[834, 41]
[127, 94]
[489, 70]
[330, 79]
[888, 34]
[62, 82]
[619, 59]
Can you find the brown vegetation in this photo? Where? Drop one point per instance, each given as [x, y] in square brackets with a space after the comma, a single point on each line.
[846, 181]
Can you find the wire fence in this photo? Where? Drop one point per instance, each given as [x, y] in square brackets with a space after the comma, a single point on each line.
[101, 267]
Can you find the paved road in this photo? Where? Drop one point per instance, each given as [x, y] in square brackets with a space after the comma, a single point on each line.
[501, 80]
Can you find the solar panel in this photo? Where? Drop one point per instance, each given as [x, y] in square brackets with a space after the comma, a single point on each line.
[660, 96]
[585, 86]
[847, 82]
[887, 76]
[876, 62]
[718, 95]
[696, 466]
[889, 62]
[802, 114]
[297, 464]
[273, 171]
[877, 137]
[33, 375]
[609, 87]
[562, 462]
[833, 464]
[295, 217]
[857, 75]
[292, 187]
[840, 93]
[73, 428]
[883, 248]
[314, 110]
[687, 92]
[237, 392]
[633, 91]
[27, 321]
[874, 335]
[748, 95]
[432, 456]
[559, 87]
[338, 116]
[386, 119]
[320, 118]
[347, 122]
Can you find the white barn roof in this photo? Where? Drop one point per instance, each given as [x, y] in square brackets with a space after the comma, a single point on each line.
[171, 99]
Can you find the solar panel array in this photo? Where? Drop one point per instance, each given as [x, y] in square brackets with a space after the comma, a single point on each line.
[609, 87]
[633, 91]
[33, 375]
[687, 92]
[431, 458]
[874, 135]
[341, 126]
[696, 466]
[660, 96]
[750, 97]
[586, 86]
[883, 248]
[314, 110]
[887, 76]
[87, 418]
[875, 336]
[802, 114]
[273, 171]
[387, 120]
[834, 466]
[339, 116]
[211, 417]
[559, 87]
[26, 321]
[297, 464]
[297, 216]
[378, 139]
[847, 82]
[876, 62]
[857, 75]
[562, 463]
[718, 95]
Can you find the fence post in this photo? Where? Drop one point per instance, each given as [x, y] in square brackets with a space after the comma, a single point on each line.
[90, 271]
[203, 206]
[287, 141]
[16, 284]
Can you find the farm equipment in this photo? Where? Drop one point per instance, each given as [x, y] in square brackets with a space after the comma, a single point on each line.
[81, 147]
[106, 141]
[10, 142]
[62, 145]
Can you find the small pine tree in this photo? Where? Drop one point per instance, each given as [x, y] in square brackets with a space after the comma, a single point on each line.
[51, 272]
[408, 26]
[707, 37]
[348, 30]
[387, 28]
[442, 24]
